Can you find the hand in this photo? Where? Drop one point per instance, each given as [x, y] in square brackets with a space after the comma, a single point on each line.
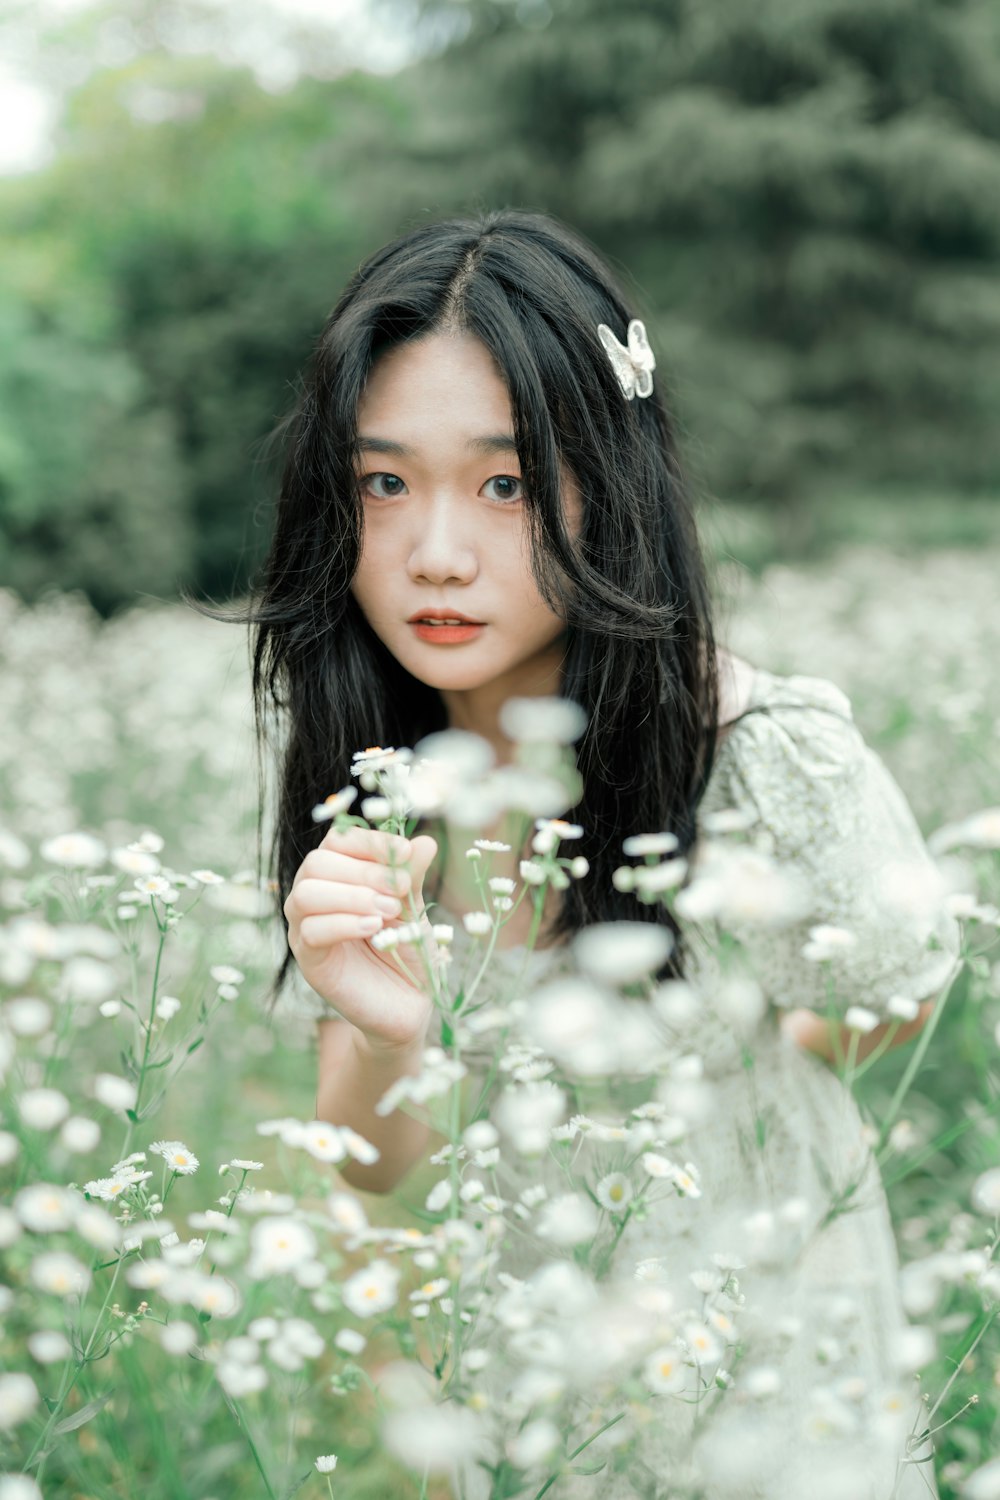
[343, 892]
[812, 1031]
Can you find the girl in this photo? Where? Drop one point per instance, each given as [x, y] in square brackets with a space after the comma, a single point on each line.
[482, 500]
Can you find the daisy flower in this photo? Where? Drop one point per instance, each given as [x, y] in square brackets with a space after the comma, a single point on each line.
[371, 1290]
[664, 1371]
[551, 831]
[331, 806]
[614, 1192]
[75, 851]
[177, 1157]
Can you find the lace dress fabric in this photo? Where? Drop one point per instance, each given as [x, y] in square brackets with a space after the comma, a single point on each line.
[828, 1320]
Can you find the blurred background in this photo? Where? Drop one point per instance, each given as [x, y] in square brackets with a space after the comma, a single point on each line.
[804, 195]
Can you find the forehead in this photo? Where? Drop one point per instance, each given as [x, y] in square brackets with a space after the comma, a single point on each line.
[442, 387]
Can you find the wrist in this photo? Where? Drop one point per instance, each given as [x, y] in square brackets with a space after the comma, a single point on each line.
[395, 1056]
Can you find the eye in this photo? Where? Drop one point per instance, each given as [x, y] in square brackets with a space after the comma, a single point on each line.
[394, 485]
[511, 488]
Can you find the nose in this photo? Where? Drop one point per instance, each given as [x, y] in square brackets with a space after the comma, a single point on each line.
[442, 550]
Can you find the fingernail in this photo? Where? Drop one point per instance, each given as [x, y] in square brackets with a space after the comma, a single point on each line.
[370, 924]
[389, 905]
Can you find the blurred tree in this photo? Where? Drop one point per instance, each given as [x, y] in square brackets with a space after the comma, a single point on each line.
[804, 193]
[807, 193]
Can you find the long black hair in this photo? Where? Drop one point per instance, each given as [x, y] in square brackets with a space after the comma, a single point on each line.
[640, 654]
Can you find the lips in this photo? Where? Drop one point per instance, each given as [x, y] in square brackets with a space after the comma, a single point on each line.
[441, 617]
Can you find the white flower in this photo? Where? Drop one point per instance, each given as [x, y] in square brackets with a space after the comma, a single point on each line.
[108, 1188]
[761, 1380]
[178, 1337]
[827, 942]
[208, 877]
[18, 1398]
[480, 1135]
[376, 808]
[533, 1444]
[9, 1147]
[569, 1219]
[551, 831]
[664, 1370]
[114, 1092]
[239, 1380]
[371, 1290]
[431, 1290]
[434, 1438]
[60, 1273]
[579, 867]
[525, 1115]
[337, 802]
[542, 720]
[245, 1165]
[439, 1196]
[501, 885]
[702, 1343]
[902, 1008]
[651, 843]
[322, 1140]
[279, 1244]
[326, 1463]
[135, 861]
[76, 851]
[983, 1483]
[226, 974]
[622, 952]
[477, 923]
[177, 1157]
[614, 1192]
[27, 1016]
[48, 1345]
[45, 1206]
[350, 1341]
[14, 853]
[981, 830]
[362, 1150]
[167, 1007]
[492, 846]
[18, 1487]
[860, 1018]
[346, 1212]
[986, 1192]
[532, 873]
[42, 1109]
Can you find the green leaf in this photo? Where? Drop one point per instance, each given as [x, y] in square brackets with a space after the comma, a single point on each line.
[70, 1424]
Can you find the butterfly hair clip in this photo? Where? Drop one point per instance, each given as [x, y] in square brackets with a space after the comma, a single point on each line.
[632, 363]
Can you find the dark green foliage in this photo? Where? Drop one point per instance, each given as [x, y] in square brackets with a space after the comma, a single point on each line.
[805, 194]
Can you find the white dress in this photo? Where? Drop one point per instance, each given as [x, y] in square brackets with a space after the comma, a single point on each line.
[824, 1327]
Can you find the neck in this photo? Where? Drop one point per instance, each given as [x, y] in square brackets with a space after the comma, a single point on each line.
[477, 710]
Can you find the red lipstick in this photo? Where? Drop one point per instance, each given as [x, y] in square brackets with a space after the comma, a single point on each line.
[454, 626]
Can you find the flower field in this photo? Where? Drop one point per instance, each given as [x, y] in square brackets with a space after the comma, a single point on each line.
[192, 1302]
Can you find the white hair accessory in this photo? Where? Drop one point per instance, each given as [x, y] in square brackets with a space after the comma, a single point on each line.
[634, 364]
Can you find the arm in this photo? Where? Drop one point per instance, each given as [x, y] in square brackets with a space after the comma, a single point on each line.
[813, 1032]
[353, 1076]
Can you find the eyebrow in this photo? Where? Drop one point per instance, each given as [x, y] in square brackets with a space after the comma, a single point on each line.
[495, 442]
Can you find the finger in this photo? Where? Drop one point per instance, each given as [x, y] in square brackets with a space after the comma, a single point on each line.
[342, 869]
[424, 849]
[319, 897]
[336, 927]
[368, 843]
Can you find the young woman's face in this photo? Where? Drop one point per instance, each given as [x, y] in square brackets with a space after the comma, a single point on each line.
[445, 522]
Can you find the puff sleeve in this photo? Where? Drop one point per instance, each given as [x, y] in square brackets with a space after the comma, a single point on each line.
[823, 804]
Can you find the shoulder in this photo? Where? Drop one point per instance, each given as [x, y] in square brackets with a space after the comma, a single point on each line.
[736, 681]
[793, 755]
